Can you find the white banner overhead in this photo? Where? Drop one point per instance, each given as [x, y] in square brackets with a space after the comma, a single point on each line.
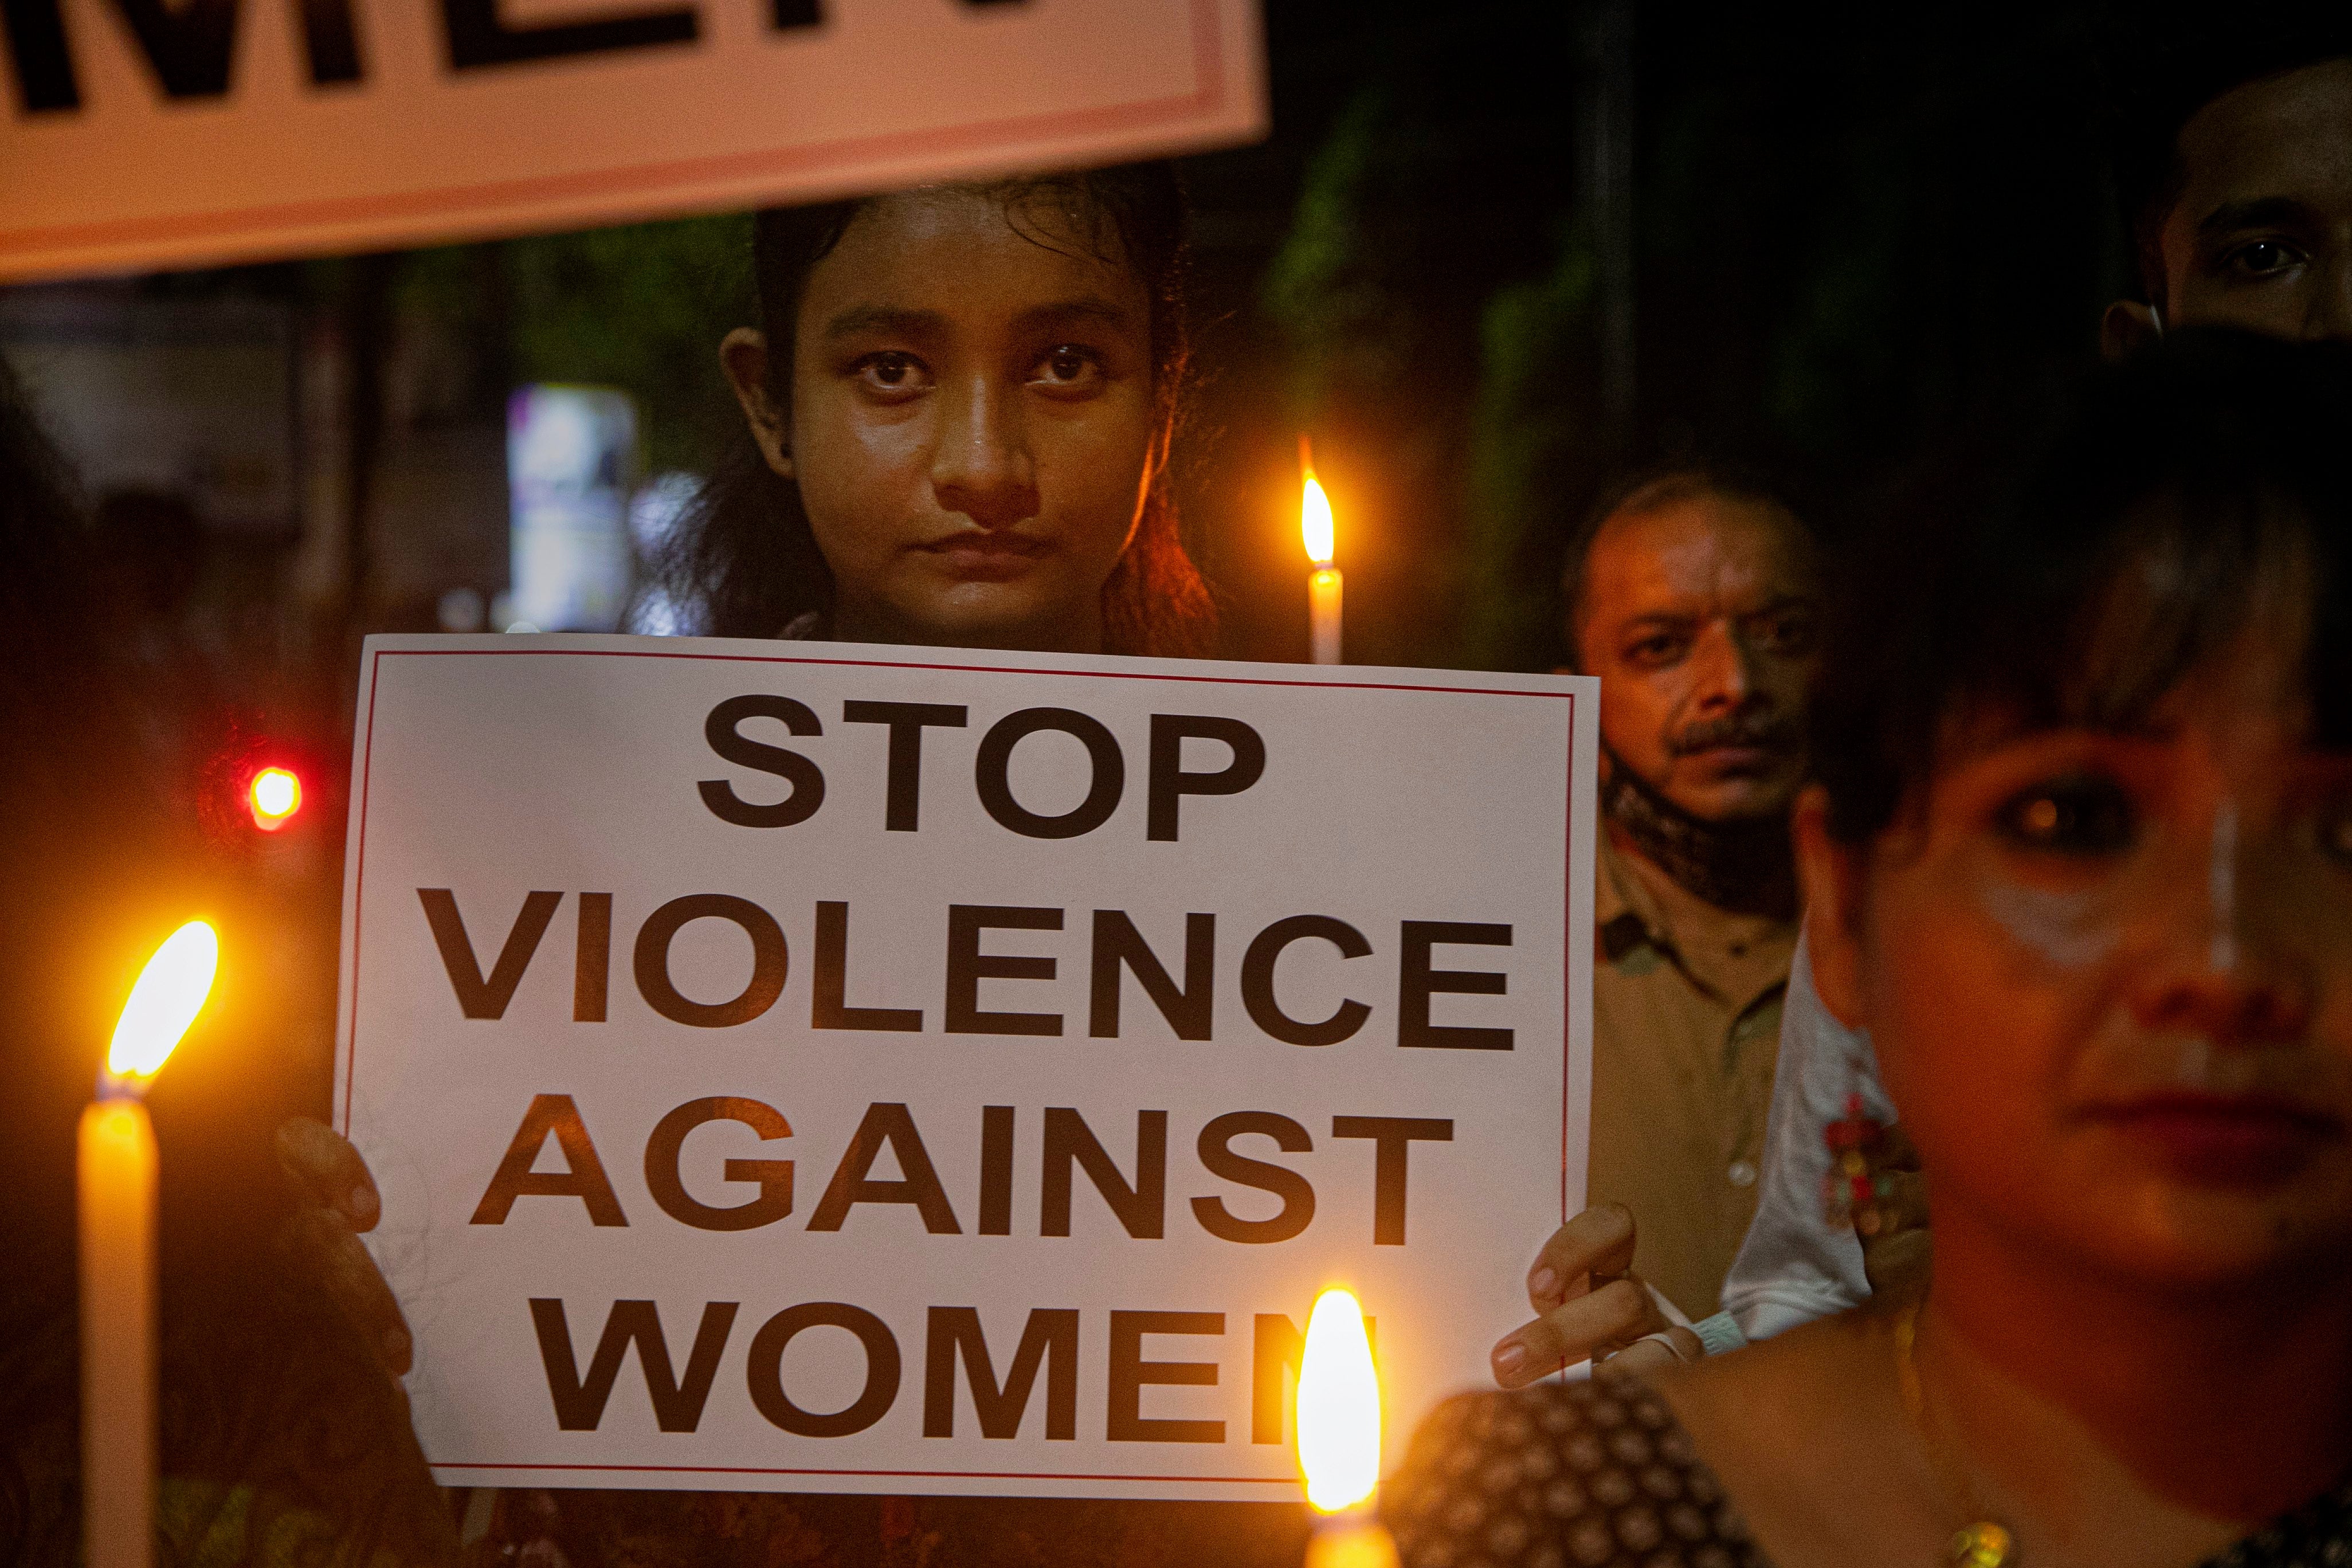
[817, 1068]
[152, 134]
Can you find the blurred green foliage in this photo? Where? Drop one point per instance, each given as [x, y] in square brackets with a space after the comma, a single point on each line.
[1850, 231]
[641, 308]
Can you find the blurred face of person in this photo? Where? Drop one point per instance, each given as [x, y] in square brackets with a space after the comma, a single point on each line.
[2109, 976]
[2261, 237]
[1701, 619]
[971, 420]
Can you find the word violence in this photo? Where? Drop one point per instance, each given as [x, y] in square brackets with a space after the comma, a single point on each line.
[1117, 949]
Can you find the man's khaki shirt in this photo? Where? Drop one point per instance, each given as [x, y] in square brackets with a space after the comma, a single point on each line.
[1685, 1029]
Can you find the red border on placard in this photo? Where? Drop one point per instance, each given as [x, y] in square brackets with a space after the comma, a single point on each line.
[349, 1048]
[1208, 67]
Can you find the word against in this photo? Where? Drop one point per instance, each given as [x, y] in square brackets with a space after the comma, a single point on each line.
[822, 1068]
[151, 134]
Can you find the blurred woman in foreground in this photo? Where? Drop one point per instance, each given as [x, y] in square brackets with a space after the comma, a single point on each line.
[2081, 862]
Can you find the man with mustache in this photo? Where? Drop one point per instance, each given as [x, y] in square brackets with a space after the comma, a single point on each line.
[1693, 597]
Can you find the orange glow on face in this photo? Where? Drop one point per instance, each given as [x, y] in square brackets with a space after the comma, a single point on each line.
[274, 794]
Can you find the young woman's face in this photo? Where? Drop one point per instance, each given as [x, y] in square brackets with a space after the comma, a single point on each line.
[2110, 979]
[971, 420]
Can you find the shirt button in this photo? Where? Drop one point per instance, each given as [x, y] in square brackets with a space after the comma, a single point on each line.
[1742, 1174]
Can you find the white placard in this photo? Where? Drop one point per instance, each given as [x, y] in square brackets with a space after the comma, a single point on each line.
[1105, 1010]
[141, 133]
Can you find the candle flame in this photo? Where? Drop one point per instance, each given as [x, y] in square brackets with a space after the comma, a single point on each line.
[1315, 528]
[170, 993]
[1339, 1406]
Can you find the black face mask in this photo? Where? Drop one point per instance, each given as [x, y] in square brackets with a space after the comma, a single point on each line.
[1744, 866]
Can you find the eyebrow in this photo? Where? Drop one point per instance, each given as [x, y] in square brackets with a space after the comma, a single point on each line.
[898, 318]
[2262, 212]
[883, 319]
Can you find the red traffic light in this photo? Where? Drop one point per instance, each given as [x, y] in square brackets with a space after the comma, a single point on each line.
[275, 796]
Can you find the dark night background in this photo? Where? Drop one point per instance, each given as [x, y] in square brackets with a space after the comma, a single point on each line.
[1490, 255]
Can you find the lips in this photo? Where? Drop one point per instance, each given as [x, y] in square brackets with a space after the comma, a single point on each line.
[2225, 1139]
[986, 554]
[1741, 759]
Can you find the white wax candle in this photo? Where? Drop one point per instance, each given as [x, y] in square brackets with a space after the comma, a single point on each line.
[117, 1162]
[1323, 614]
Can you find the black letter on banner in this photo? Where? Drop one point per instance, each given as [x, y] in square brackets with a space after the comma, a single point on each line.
[190, 47]
[764, 1369]
[592, 961]
[1141, 1208]
[1129, 1372]
[1257, 980]
[791, 14]
[1188, 1010]
[1393, 1137]
[1050, 1340]
[991, 775]
[478, 997]
[902, 796]
[582, 1177]
[1416, 981]
[852, 1183]
[1297, 1195]
[831, 1009]
[968, 966]
[996, 1170]
[580, 1401]
[477, 37]
[768, 959]
[720, 730]
[1170, 783]
[775, 1177]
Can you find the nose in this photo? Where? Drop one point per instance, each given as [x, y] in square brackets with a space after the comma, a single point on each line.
[981, 464]
[1726, 670]
[2229, 966]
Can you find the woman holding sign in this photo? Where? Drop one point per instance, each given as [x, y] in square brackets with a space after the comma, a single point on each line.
[961, 401]
[2082, 863]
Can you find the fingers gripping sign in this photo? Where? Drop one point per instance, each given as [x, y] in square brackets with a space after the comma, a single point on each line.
[1590, 1306]
[335, 1201]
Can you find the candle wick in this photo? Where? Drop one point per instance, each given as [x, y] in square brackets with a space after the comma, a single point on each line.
[120, 1086]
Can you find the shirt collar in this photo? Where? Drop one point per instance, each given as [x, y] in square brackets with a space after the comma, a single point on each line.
[1740, 959]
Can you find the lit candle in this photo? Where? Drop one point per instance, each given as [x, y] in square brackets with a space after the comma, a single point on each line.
[1337, 1420]
[117, 1174]
[1315, 531]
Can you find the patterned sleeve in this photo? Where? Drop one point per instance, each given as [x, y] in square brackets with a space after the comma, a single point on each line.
[1562, 1474]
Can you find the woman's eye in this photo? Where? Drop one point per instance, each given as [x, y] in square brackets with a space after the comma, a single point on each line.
[892, 371]
[2071, 816]
[1068, 366]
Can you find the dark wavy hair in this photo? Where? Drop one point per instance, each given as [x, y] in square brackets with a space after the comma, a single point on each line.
[744, 556]
[2075, 563]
